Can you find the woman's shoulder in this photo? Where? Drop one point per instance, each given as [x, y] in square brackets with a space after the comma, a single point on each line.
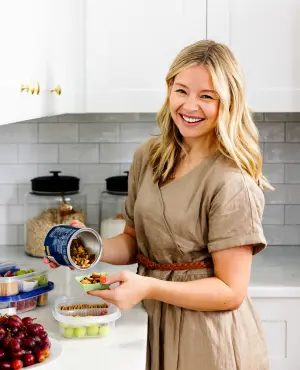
[226, 175]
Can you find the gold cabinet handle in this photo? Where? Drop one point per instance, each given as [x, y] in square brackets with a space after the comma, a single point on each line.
[56, 89]
[31, 88]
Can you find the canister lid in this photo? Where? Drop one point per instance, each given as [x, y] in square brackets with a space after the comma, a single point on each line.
[117, 184]
[55, 184]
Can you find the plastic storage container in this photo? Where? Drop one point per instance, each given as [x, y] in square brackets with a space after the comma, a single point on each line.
[112, 202]
[84, 317]
[53, 200]
[12, 285]
[25, 301]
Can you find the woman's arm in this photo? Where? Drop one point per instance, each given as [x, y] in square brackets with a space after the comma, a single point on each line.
[226, 290]
[121, 249]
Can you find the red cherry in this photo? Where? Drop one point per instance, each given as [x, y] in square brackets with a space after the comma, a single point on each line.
[17, 364]
[40, 357]
[29, 360]
[46, 351]
[5, 365]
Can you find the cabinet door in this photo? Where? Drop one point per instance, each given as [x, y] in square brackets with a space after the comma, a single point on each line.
[20, 59]
[264, 36]
[62, 50]
[130, 46]
[281, 322]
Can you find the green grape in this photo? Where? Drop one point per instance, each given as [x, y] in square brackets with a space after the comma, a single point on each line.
[80, 332]
[92, 330]
[69, 332]
[63, 325]
[104, 330]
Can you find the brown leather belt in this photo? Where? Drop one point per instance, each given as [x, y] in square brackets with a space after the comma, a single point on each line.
[146, 262]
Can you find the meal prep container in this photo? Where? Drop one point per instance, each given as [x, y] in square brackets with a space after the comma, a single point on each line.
[14, 285]
[80, 322]
[25, 301]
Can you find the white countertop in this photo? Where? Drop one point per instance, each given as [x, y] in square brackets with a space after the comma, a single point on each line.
[124, 349]
[275, 273]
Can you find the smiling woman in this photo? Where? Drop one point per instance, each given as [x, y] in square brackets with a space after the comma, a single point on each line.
[193, 221]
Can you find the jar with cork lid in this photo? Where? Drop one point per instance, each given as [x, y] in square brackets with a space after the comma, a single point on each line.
[53, 200]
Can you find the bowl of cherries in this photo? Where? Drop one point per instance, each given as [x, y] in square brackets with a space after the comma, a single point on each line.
[23, 342]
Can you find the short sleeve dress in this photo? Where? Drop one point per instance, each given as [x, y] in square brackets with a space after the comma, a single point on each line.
[213, 207]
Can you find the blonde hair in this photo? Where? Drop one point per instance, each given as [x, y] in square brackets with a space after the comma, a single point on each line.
[237, 134]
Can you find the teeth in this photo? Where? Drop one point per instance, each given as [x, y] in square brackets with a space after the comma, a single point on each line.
[192, 120]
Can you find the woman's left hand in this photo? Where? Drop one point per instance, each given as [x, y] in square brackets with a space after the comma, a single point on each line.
[132, 290]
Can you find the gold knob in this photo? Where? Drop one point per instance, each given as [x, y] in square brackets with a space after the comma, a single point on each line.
[56, 89]
[31, 88]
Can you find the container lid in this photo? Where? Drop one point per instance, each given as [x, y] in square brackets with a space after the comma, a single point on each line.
[85, 317]
[33, 293]
[55, 184]
[117, 184]
[13, 266]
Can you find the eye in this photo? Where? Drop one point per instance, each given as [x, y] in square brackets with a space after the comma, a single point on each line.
[206, 97]
[180, 91]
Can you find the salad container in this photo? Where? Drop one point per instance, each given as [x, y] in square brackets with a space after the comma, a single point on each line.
[85, 317]
[16, 278]
[24, 302]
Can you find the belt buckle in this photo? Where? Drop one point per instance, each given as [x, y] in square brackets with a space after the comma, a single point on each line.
[153, 265]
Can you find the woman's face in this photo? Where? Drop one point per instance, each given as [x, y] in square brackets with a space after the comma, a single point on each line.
[194, 103]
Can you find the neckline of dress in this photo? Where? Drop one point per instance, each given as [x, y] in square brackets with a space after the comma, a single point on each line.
[194, 169]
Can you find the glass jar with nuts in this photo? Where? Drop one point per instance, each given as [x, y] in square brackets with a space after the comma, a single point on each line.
[53, 200]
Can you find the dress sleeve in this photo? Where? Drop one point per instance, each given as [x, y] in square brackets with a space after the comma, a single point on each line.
[135, 176]
[235, 215]
[128, 213]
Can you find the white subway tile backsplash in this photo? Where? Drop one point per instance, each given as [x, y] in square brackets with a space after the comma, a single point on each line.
[58, 133]
[93, 192]
[8, 153]
[79, 153]
[133, 132]
[98, 133]
[97, 173]
[8, 194]
[11, 214]
[17, 173]
[38, 153]
[117, 153]
[9, 235]
[19, 133]
[93, 214]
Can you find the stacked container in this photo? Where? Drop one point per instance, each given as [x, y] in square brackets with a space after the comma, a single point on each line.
[22, 289]
[85, 317]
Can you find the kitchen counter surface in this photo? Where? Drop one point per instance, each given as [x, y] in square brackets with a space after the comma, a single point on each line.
[275, 273]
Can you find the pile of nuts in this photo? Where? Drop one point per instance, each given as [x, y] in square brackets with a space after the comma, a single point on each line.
[79, 254]
[82, 307]
[95, 278]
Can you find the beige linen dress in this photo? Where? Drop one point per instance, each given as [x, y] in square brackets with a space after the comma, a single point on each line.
[211, 208]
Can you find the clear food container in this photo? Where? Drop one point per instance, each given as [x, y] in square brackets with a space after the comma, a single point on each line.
[25, 301]
[85, 317]
[16, 278]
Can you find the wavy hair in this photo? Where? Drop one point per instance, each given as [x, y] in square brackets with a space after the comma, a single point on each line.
[237, 134]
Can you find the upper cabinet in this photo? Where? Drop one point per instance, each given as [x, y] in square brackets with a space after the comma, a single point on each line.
[130, 46]
[42, 55]
[264, 36]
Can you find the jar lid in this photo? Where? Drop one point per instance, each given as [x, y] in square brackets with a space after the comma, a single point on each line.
[117, 184]
[55, 184]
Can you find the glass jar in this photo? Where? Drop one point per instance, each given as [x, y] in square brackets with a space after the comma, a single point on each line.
[112, 202]
[53, 200]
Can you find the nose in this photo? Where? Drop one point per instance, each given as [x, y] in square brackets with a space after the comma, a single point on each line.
[191, 104]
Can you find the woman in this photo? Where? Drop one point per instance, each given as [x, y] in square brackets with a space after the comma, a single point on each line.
[193, 221]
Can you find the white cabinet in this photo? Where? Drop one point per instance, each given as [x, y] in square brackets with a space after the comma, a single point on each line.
[281, 321]
[264, 36]
[41, 46]
[130, 46]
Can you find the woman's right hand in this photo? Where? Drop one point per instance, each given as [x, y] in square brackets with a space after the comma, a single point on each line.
[53, 265]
